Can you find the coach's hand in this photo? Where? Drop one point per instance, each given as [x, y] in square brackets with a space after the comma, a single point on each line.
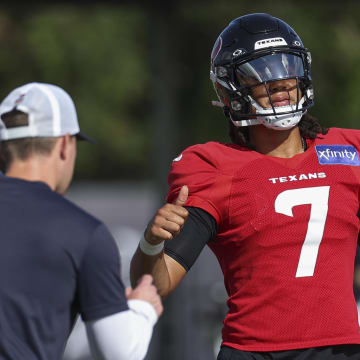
[146, 291]
[168, 220]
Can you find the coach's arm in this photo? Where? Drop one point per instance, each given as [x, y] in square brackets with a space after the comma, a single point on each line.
[126, 335]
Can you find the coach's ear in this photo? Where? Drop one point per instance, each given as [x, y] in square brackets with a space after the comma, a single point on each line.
[64, 146]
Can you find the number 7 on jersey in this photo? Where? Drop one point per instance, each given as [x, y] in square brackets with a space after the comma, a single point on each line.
[318, 198]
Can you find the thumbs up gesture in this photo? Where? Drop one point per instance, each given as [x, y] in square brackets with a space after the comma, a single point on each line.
[168, 220]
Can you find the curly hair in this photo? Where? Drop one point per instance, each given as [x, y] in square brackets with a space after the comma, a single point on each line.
[309, 127]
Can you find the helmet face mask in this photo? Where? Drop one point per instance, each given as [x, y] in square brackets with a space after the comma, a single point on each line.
[260, 51]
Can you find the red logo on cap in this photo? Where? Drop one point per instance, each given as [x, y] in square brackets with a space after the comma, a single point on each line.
[19, 99]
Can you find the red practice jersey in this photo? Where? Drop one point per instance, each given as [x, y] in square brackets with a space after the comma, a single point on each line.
[286, 241]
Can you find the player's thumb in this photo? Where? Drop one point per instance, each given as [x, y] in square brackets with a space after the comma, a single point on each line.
[182, 197]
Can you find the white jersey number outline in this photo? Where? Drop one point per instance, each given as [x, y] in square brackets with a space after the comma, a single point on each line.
[318, 198]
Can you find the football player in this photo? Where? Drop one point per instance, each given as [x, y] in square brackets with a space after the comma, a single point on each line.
[277, 206]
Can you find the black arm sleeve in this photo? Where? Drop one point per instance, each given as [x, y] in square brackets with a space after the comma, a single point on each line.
[199, 228]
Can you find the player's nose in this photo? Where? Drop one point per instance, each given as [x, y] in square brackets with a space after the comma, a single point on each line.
[282, 85]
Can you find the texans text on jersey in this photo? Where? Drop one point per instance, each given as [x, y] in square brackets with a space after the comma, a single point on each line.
[300, 177]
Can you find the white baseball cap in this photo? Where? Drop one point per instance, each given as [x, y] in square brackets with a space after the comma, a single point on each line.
[50, 109]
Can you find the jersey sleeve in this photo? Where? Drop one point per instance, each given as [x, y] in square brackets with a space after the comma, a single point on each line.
[199, 168]
[100, 288]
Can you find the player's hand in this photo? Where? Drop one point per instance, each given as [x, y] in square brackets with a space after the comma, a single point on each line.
[168, 220]
[146, 291]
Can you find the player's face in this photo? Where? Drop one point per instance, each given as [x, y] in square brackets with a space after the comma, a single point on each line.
[282, 93]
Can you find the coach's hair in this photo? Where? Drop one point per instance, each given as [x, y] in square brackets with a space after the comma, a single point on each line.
[22, 149]
[309, 126]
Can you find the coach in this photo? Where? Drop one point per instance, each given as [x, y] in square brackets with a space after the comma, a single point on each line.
[57, 261]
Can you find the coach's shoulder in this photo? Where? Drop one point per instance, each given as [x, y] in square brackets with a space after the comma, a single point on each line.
[69, 213]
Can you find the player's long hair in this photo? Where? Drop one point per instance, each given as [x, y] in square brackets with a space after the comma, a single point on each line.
[309, 126]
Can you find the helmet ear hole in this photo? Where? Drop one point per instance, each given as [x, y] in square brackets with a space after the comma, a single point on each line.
[235, 105]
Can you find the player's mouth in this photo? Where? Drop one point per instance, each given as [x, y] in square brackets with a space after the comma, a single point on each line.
[281, 101]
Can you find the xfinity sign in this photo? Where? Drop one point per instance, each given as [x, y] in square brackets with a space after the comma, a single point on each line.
[337, 154]
[278, 41]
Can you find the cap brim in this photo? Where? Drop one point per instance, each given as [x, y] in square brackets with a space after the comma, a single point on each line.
[81, 136]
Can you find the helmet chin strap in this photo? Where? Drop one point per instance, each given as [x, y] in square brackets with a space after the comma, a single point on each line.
[285, 117]
[283, 122]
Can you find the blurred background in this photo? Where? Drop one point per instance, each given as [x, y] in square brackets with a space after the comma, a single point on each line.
[138, 72]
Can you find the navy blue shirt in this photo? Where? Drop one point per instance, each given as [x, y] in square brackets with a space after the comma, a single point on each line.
[56, 261]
